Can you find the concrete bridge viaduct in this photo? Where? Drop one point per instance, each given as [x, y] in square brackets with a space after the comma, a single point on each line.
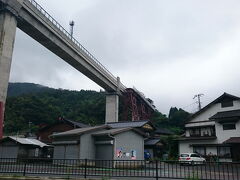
[32, 19]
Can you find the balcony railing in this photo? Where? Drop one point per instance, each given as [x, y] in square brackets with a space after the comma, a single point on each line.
[203, 135]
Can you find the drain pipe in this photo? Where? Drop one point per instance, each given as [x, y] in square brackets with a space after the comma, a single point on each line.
[113, 155]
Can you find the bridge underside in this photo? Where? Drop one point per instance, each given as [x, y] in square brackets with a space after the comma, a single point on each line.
[38, 24]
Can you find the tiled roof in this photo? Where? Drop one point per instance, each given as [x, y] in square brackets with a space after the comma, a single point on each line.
[151, 142]
[135, 124]
[197, 138]
[77, 124]
[116, 131]
[80, 131]
[163, 131]
[232, 140]
[226, 114]
[67, 121]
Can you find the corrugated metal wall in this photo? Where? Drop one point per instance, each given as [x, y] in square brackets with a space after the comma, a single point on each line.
[68, 151]
[8, 151]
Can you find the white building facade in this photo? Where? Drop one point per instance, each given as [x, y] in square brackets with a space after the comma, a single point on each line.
[214, 131]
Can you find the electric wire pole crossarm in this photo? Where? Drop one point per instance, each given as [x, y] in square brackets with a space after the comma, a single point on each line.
[198, 96]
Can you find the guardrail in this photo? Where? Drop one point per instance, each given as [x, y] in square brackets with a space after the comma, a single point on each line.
[71, 38]
[120, 168]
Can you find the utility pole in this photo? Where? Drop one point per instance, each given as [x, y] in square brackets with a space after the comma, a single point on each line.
[199, 100]
[29, 126]
[71, 28]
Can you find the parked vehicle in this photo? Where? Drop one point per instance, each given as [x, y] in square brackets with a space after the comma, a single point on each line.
[191, 158]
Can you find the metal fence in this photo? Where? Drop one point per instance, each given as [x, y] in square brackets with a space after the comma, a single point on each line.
[120, 168]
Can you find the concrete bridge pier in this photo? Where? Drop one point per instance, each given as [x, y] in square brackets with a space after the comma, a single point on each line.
[112, 105]
[8, 26]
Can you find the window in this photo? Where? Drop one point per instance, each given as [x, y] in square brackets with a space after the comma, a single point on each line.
[224, 152]
[195, 132]
[36, 152]
[227, 104]
[184, 155]
[199, 150]
[229, 126]
[195, 155]
[212, 131]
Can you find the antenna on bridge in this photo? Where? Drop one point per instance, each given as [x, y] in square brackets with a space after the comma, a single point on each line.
[71, 27]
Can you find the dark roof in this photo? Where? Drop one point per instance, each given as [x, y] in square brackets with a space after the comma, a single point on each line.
[208, 145]
[151, 142]
[197, 138]
[135, 124]
[63, 120]
[80, 131]
[77, 124]
[232, 140]
[219, 99]
[163, 131]
[226, 114]
[113, 132]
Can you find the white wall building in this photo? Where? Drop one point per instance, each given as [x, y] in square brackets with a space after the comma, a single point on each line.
[214, 130]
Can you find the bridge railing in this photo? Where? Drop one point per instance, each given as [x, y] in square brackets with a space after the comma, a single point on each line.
[144, 98]
[68, 35]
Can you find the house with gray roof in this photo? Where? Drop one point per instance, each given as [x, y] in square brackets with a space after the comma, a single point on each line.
[214, 130]
[153, 143]
[100, 142]
[16, 147]
[145, 125]
[61, 125]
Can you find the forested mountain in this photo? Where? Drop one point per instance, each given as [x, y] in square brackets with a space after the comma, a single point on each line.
[174, 121]
[37, 105]
[30, 105]
[16, 89]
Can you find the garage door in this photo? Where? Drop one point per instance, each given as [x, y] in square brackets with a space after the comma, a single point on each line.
[104, 151]
[59, 152]
[72, 152]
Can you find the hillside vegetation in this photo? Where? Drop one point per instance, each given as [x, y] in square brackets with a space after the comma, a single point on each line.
[29, 106]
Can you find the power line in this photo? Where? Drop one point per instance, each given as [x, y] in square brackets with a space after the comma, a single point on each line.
[189, 105]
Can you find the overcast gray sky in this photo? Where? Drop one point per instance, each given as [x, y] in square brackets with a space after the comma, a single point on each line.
[168, 49]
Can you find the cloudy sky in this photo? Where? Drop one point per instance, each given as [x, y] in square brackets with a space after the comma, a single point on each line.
[168, 49]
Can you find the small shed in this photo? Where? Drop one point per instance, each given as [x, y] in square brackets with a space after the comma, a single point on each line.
[15, 147]
[153, 143]
[76, 143]
[100, 142]
[119, 144]
[154, 146]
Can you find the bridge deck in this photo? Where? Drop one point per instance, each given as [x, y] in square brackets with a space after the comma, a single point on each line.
[38, 24]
